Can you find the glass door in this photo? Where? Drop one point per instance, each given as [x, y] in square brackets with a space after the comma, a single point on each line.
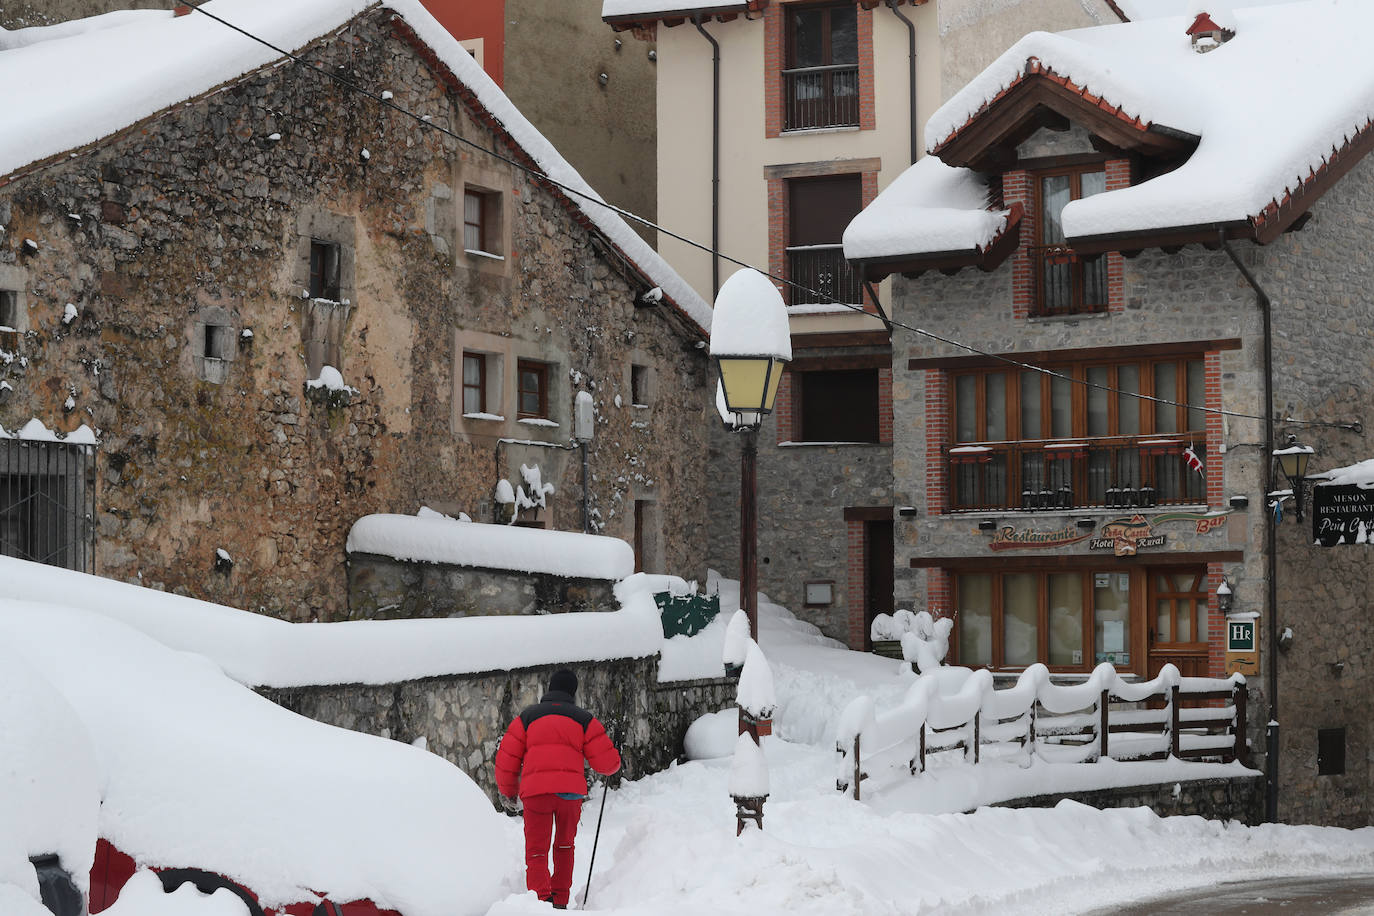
[1176, 612]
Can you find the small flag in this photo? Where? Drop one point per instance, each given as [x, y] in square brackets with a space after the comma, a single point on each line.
[1192, 460]
[1278, 511]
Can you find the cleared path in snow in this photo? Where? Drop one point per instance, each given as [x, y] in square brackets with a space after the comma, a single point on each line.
[1309, 896]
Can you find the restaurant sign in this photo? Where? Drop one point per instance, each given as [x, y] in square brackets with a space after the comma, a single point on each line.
[1342, 514]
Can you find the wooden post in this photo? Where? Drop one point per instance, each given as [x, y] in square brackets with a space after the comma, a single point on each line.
[1238, 696]
[858, 770]
[749, 530]
[1103, 726]
[923, 747]
[1173, 721]
[1030, 735]
[977, 734]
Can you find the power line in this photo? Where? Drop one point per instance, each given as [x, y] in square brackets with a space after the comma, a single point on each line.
[426, 121]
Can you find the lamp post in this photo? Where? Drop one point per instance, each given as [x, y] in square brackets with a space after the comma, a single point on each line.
[750, 342]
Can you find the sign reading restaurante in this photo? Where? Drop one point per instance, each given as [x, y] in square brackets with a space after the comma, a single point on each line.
[1342, 514]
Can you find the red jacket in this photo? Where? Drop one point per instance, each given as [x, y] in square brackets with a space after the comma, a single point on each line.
[543, 749]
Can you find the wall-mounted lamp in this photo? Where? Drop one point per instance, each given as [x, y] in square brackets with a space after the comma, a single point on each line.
[987, 524]
[1293, 462]
[1224, 596]
[907, 511]
[1087, 523]
[1239, 502]
[603, 78]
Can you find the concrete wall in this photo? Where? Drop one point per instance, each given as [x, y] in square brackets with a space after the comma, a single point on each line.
[462, 717]
[202, 216]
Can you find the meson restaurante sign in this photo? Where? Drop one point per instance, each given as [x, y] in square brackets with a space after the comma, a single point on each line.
[1342, 514]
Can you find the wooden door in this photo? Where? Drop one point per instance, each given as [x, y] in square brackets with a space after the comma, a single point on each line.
[1176, 617]
[878, 573]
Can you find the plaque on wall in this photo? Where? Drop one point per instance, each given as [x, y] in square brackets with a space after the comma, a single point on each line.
[1342, 514]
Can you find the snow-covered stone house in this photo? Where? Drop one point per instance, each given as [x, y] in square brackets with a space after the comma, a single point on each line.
[285, 293]
[1112, 229]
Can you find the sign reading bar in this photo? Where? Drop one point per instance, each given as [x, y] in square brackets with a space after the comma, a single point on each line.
[1342, 514]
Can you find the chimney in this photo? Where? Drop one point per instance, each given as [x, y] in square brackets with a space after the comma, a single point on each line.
[1207, 35]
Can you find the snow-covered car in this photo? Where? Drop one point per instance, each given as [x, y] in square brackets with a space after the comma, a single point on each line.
[121, 755]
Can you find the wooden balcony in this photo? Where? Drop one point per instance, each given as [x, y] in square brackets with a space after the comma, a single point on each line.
[1123, 472]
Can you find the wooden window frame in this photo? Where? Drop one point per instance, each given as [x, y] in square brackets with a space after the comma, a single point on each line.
[323, 254]
[541, 370]
[799, 405]
[997, 611]
[791, 65]
[1039, 253]
[1077, 371]
[483, 224]
[481, 387]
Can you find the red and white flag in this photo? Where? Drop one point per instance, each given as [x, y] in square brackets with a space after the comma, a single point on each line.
[1191, 459]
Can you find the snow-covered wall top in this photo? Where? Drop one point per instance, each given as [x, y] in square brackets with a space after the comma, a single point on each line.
[1270, 106]
[70, 86]
[433, 539]
[35, 431]
[263, 651]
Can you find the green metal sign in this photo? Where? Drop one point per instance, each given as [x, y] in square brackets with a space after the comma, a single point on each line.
[1240, 636]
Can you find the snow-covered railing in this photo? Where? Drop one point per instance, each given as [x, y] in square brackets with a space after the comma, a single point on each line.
[1102, 717]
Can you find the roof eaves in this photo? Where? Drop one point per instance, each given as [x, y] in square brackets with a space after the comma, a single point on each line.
[723, 12]
[1281, 213]
[986, 258]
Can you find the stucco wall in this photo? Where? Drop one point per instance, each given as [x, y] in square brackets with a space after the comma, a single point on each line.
[201, 211]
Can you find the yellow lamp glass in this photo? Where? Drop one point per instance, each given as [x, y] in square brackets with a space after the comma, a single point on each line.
[750, 382]
[1294, 465]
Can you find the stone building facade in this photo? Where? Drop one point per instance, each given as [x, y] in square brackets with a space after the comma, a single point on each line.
[1120, 559]
[219, 253]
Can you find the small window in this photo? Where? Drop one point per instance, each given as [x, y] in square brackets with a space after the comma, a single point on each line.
[324, 270]
[839, 406]
[216, 342]
[639, 386]
[474, 383]
[1330, 751]
[532, 390]
[9, 309]
[482, 222]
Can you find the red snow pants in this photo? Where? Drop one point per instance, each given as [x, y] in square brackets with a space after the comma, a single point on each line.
[545, 815]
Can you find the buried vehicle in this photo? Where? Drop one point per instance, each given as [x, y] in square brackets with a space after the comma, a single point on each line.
[122, 754]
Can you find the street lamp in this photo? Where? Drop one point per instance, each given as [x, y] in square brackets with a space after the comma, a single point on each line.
[1293, 462]
[750, 342]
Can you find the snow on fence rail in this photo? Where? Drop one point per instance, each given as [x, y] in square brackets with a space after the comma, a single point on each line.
[1104, 716]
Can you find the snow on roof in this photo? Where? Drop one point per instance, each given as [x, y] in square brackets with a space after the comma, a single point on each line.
[751, 318]
[615, 9]
[431, 539]
[262, 651]
[929, 208]
[195, 770]
[1360, 474]
[79, 84]
[1137, 10]
[1264, 128]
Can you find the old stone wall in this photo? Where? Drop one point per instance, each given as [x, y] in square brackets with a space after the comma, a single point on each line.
[203, 218]
[1237, 799]
[381, 588]
[463, 717]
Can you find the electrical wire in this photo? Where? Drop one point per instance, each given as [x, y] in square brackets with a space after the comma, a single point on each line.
[426, 121]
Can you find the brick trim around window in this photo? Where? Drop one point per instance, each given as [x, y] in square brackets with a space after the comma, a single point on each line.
[775, 60]
[779, 212]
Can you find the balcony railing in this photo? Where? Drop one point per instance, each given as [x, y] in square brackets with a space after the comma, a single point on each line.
[821, 97]
[1117, 472]
[1066, 284]
[824, 269]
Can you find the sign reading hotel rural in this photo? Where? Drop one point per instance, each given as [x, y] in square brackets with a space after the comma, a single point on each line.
[1342, 514]
[1125, 536]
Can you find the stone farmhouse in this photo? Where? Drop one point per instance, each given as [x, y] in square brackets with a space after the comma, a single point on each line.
[778, 121]
[1139, 259]
[284, 293]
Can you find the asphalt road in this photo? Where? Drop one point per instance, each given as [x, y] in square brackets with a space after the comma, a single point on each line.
[1351, 896]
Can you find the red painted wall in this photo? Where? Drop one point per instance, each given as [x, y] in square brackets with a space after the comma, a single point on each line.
[485, 19]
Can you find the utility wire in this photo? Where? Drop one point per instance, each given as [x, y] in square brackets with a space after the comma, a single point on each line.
[426, 121]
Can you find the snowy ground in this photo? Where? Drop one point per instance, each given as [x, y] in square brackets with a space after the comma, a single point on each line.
[667, 842]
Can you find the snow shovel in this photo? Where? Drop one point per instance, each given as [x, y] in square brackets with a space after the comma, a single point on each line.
[595, 839]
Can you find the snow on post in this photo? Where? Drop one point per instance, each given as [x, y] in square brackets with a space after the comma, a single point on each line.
[748, 770]
[755, 692]
[736, 648]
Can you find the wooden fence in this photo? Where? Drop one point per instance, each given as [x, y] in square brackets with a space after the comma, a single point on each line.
[1188, 718]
